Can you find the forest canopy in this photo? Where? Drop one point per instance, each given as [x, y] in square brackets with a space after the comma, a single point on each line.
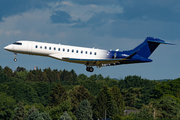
[61, 94]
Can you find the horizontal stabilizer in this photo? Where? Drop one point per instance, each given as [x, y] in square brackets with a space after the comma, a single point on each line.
[129, 57]
[161, 42]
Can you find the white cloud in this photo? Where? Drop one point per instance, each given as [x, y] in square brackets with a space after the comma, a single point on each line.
[85, 12]
[66, 3]
[9, 32]
[116, 34]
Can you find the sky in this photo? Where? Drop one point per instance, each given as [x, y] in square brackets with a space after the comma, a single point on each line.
[103, 24]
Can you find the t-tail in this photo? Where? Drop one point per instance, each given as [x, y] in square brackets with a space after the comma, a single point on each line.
[146, 48]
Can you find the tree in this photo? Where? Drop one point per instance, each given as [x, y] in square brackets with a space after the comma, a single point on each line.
[20, 69]
[20, 91]
[34, 114]
[118, 99]
[168, 108]
[145, 113]
[68, 76]
[82, 77]
[43, 91]
[38, 106]
[78, 94]
[1, 69]
[3, 77]
[30, 76]
[57, 111]
[93, 77]
[58, 95]
[104, 105]
[93, 87]
[19, 112]
[132, 96]
[8, 71]
[7, 105]
[84, 111]
[22, 75]
[73, 76]
[45, 116]
[65, 116]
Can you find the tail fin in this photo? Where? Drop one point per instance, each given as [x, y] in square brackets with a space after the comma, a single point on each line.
[146, 48]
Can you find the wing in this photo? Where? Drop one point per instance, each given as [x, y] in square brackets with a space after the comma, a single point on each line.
[92, 62]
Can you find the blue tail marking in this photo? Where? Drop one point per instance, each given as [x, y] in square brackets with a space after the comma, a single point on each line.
[146, 48]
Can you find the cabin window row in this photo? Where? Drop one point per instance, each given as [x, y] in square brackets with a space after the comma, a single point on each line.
[77, 51]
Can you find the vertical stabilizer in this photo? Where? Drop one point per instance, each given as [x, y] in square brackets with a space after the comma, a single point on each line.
[146, 48]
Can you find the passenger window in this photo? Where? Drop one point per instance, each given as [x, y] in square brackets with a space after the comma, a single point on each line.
[63, 49]
[72, 50]
[58, 49]
[81, 52]
[86, 52]
[45, 47]
[67, 50]
[95, 53]
[36, 46]
[90, 53]
[54, 48]
[76, 51]
[49, 48]
[41, 47]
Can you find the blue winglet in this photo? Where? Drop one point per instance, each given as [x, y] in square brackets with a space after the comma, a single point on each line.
[157, 40]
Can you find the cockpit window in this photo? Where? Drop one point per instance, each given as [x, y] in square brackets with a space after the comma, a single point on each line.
[17, 43]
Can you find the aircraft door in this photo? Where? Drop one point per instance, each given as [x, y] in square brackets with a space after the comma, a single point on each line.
[29, 46]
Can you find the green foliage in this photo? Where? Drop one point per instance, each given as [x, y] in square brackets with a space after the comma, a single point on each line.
[117, 117]
[104, 105]
[168, 108]
[30, 77]
[57, 111]
[43, 91]
[40, 88]
[20, 69]
[19, 91]
[118, 100]
[22, 75]
[34, 114]
[147, 86]
[68, 76]
[45, 116]
[84, 111]
[167, 87]
[145, 113]
[7, 105]
[132, 96]
[82, 77]
[58, 95]
[78, 94]
[19, 112]
[93, 87]
[1, 69]
[3, 77]
[7, 71]
[39, 107]
[65, 116]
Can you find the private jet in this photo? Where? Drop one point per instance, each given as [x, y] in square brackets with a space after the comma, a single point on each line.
[88, 56]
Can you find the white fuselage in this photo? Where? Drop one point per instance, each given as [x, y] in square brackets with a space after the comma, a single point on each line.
[56, 51]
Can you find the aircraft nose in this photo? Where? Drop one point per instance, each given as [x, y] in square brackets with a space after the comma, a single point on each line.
[7, 47]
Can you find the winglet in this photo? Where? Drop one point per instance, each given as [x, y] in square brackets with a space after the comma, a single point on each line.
[157, 40]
